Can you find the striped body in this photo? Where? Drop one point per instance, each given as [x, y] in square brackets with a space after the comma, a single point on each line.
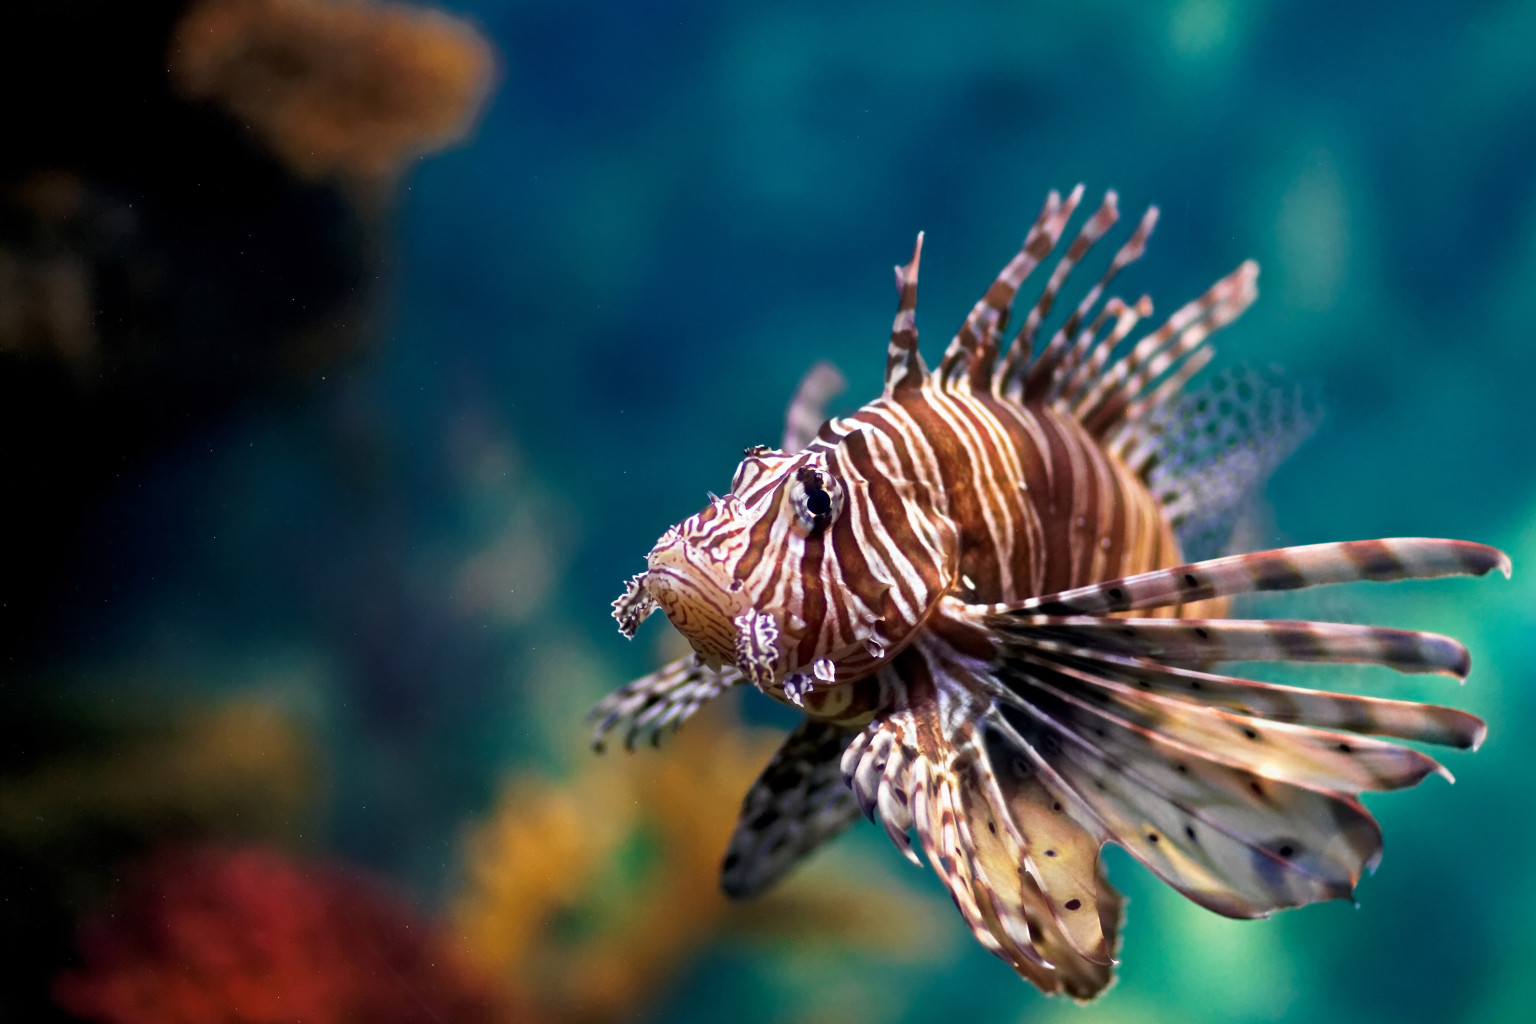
[946, 494]
[972, 587]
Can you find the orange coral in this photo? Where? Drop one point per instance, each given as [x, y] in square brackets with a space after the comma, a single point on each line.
[343, 88]
[249, 937]
[591, 895]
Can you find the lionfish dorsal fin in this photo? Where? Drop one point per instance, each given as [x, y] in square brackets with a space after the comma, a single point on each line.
[1207, 453]
[1094, 228]
[975, 346]
[1072, 342]
[1087, 362]
[904, 366]
[1017, 355]
[1160, 364]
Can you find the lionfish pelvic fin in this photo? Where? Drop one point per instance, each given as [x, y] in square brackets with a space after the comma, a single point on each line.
[797, 804]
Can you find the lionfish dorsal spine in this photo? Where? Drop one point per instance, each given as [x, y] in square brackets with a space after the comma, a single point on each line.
[975, 346]
[1094, 228]
[1071, 343]
[1018, 354]
[904, 366]
[1109, 401]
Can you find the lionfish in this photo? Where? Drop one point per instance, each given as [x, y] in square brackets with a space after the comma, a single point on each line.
[972, 588]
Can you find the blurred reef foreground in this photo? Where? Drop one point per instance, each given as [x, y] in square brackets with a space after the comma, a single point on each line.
[192, 206]
[193, 209]
[196, 205]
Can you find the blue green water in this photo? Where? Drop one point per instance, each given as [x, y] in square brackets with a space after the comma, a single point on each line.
[671, 209]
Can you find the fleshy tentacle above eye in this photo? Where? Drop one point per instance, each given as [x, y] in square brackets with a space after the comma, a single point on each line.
[655, 705]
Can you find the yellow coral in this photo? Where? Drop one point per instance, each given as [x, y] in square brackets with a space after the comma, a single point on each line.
[590, 895]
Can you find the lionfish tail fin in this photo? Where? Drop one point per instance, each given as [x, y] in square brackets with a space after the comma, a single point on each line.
[1024, 872]
[796, 805]
[653, 706]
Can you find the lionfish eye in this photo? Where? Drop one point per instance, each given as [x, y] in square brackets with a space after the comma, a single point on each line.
[814, 500]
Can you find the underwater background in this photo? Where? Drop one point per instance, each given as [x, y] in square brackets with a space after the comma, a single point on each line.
[352, 357]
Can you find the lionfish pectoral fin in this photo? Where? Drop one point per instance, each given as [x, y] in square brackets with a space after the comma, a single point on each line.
[1025, 876]
[807, 410]
[656, 704]
[796, 805]
[1240, 794]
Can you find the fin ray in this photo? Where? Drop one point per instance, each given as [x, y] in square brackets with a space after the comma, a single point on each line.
[1198, 642]
[1399, 558]
[656, 704]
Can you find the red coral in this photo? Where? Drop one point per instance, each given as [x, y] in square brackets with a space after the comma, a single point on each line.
[209, 935]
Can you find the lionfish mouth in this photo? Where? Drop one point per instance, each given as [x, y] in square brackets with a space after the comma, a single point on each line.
[695, 591]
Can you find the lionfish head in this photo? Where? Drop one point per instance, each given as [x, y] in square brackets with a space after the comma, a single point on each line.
[733, 577]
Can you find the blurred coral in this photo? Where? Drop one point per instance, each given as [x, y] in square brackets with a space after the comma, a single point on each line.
[242, 769]
[344, 88]
[217, 935]
[591, 895]
[46, 287]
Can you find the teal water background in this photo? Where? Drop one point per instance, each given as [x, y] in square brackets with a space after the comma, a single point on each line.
[671, 209]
